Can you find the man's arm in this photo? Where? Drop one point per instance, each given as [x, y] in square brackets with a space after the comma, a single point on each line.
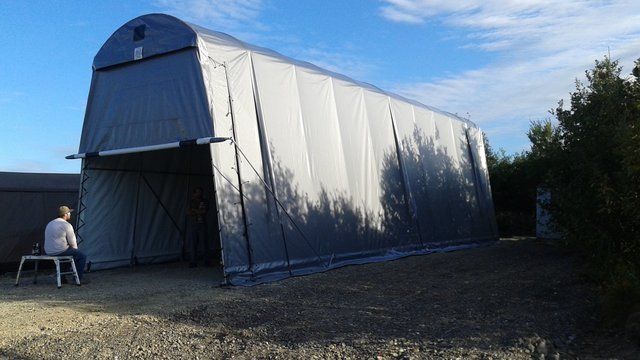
[71, 237]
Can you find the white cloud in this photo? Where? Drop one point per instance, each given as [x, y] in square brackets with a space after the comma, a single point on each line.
[241, 18]
[342, 61]
[540, 47]
[222, 14]
[401, 16]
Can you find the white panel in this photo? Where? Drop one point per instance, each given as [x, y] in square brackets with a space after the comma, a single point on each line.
[282, 116]
[396, 220]
[363, 168]
[446, 140]
[429, 198]
[322, 132]
[294, 173]
[265, 234]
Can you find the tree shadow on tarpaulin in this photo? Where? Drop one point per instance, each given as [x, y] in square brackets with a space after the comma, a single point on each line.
[322, 225]
[446, 191]
[332, 226]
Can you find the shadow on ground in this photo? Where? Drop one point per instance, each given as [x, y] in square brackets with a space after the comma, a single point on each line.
[488, 301]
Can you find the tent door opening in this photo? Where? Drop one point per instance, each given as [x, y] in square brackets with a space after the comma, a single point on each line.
[147, 221]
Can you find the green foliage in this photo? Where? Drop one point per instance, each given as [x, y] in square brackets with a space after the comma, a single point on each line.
[590, 162]
[513, 193]
[515, 179]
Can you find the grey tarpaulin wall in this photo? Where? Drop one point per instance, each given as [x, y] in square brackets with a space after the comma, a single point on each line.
[328, 171]
[28, 201]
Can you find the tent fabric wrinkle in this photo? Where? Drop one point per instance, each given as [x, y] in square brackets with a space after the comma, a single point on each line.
[320, 170]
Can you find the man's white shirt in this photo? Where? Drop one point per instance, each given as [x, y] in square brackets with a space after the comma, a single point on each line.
[58, 237]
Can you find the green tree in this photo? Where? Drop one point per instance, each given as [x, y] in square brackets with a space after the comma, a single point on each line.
[513, 188]
[589, 161]
[593, 172]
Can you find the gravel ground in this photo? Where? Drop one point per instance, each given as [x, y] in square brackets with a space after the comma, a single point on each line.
[514, 299]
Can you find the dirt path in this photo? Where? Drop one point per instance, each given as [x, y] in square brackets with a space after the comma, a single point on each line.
[512, 299]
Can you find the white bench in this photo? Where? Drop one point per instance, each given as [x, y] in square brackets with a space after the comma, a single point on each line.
[57, 260]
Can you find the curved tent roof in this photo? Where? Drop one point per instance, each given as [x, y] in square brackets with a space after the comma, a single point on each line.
[159, 34]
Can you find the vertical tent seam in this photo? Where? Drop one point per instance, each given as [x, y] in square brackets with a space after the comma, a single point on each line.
[242, 205]
[475, 172]
[489, 195]
[404, 175]
[266, 154]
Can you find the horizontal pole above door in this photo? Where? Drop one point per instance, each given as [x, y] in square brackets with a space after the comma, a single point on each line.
[138, 149]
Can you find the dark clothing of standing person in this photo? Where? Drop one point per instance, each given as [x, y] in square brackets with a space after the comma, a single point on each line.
[197, 231]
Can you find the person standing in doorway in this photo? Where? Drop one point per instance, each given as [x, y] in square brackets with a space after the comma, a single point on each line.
[60, 240]
[197, 231]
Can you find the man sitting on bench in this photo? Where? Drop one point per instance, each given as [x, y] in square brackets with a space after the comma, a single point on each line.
[60, 240]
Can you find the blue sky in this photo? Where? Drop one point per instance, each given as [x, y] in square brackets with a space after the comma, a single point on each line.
[501, 63]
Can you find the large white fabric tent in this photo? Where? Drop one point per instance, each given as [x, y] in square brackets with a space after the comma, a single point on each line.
[307, 170]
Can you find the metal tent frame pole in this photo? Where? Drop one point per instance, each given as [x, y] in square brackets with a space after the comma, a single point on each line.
[238, 172]
[183, 246]
[82, 191]
[132, 239]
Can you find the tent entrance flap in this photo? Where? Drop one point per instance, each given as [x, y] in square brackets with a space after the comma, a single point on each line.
[143, 199]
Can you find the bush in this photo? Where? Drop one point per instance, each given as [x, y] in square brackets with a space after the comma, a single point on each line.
[513, 192]
[590, 163]
[592, 168]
